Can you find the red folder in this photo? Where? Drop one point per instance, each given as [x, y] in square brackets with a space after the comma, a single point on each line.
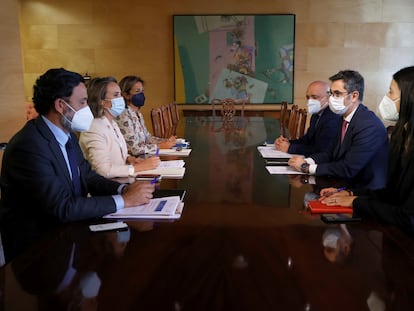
[317, 207]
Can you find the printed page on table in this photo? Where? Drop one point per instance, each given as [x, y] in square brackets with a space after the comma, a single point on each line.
[280, 170]
[271, 152]
[164, 207]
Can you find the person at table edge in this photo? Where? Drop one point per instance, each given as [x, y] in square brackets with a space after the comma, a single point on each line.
[36, 179]
[359, 157]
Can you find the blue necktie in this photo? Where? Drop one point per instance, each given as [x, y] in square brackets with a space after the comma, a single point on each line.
[73, 167]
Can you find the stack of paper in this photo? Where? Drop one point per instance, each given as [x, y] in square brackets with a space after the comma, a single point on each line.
[158, 208]
[173, 169]
[172, 163]
[274, 170]
[180, 152]
[271, 152]
[167, 172]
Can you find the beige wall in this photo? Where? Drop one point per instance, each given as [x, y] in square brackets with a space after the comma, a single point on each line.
[11, 71]
[135, 37]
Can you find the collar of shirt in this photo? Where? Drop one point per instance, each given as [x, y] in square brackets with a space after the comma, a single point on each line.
[59, 134]
[349, 117]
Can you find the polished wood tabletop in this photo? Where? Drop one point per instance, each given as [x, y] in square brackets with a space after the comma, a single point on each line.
[244, 242]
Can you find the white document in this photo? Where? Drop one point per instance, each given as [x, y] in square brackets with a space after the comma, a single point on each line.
[172, 163]
[282, 170]
[159, 208]
[166, 172]
[271, 152]
[185, 152]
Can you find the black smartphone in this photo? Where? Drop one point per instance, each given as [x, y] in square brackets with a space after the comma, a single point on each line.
[338, 218]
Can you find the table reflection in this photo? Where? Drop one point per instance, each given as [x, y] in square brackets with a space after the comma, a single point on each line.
[244, 241]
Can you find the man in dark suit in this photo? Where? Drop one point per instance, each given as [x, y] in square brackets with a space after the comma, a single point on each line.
[359, 153]
[322, 127]
[39, 178]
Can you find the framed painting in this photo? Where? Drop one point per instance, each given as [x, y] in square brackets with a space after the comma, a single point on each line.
[245, 57]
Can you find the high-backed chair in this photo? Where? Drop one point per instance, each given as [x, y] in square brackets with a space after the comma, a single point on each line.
[157, 123]
[303, 115]
[229, 107]
[175, 116]
[293, 121]
[297, 122]
[167, 121]
[284, 118]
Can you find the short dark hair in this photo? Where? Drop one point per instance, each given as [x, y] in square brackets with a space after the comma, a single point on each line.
[54, 83]
[353, 81]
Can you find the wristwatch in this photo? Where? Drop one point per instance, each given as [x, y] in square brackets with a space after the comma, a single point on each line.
[304, 167]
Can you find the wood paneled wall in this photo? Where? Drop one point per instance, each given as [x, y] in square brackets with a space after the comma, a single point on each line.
[135, 37]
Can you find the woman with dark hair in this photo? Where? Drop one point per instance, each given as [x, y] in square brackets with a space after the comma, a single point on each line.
[393, 204]
[131, 121]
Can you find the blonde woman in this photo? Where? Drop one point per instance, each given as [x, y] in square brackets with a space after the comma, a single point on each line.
[103, 144]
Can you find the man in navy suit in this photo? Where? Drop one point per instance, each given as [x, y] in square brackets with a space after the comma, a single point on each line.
[39, 179]
[322, 127]
[359, 153]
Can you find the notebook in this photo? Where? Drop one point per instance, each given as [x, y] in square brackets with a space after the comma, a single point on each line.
[317, 207]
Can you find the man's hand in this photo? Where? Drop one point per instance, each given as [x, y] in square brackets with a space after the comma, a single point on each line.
[138, 193]
[296, 162]
[282, 144]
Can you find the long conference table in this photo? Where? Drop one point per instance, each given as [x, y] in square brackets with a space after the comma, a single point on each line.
[244, 242]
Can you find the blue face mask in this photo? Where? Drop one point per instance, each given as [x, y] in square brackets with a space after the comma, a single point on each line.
[118, 106]
[138, 99]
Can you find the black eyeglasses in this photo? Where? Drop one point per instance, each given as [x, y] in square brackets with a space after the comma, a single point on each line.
[337, 93]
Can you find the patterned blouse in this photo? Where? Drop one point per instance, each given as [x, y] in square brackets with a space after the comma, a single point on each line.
[138, 138]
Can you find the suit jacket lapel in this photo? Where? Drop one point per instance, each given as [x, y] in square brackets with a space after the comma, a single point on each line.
[54, 147]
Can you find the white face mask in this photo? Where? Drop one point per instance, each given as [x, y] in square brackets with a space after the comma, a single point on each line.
[314, 106]
[82, 119]
[123, 236]
[388, 109]
[336, 104]
[330, 237]
[118, 106]
[90, 284]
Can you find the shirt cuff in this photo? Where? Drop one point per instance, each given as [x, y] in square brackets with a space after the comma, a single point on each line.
[312, 165]
[131, 170]
[119, 201]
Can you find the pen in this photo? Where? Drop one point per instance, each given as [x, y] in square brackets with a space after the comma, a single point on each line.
[157, 152]
[154, 180]
[340, 189]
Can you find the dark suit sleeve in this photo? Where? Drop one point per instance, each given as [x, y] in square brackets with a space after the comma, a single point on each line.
[317, 139]
[364, 140]
[37, 179]
[383, 210]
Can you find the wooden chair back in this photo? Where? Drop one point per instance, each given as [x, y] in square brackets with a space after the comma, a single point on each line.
[303, 115]
[157, 123]
[293, 121]
[167, 121]
[284, 118]
[175, 116]
[228, 108]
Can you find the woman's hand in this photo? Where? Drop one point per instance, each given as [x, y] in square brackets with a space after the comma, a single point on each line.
[337, 199]
[147, 164]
